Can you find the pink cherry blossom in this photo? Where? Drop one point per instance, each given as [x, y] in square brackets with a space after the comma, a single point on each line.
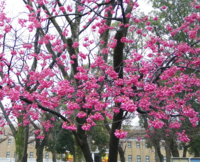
[119, 133]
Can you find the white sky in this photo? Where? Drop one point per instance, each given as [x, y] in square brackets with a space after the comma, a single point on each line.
[14, 6]
[146, 8]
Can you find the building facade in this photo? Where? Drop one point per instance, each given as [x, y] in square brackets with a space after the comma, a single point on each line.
[7, 149]
[135, 150]
[138, 151]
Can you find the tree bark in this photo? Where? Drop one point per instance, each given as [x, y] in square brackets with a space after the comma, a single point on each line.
[20, 141]
[54, 156]
[121, 154]
[26, 144]
[185, 148]
[39, 149]
[159, 156]
[114, 141]
[167, 150]
[117, 118]
[86, 152]
[196, 152]
[174, 148]
[81, 140]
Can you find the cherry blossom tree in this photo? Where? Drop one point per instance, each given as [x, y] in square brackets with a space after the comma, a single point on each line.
[58, 52]
[172, 14]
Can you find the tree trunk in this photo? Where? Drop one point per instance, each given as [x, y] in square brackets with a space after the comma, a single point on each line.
[20, 141]
[121, 154]
[185, 148]
[39, 149]
[86, 152]
[117, 118]
[157, 159]
[114, 141]
[159, 156]
[174, 148]
[196, 152]
[54, 154]
[167, 150]
[74, 157]
[81, 140]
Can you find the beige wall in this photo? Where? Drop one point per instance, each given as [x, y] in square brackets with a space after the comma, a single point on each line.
[137, 148]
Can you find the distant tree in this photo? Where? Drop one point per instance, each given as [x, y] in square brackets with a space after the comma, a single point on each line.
[59, 141]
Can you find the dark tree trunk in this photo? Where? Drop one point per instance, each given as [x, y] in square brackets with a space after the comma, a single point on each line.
[196, 152]
[185, 148]
[54, 156]
[86, 152]
[82, 141]
[121, 154]
[167, 150]
[39, 149]
[174, 148]
[74, 157]
[26, 144]
[157, 158]
[114, 141]
[156, 145]
[117, 118]
[20, 142]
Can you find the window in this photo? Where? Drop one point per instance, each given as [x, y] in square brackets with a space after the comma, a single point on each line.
[146, 145]
[32, 143]
[129, 157]
[147, 158]
[31, 155]
[129, 144]
[137, 145]
[9, 142]
[7, 154]
[138, 158]
[163, 147]
[121, 144]
[47, 155]
[164, 159]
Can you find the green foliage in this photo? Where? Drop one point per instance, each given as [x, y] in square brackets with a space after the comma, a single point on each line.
[100, 138]
[173, 15]
[60, 140]
[79, 154]
[194, 146]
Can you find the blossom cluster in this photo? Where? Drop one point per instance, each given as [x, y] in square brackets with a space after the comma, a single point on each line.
[119, 133]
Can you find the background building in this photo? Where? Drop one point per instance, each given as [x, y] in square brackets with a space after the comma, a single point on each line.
[136, 147]
[135, 150]
[7, 149]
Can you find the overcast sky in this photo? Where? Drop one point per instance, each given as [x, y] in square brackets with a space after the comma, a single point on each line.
[15, 5]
